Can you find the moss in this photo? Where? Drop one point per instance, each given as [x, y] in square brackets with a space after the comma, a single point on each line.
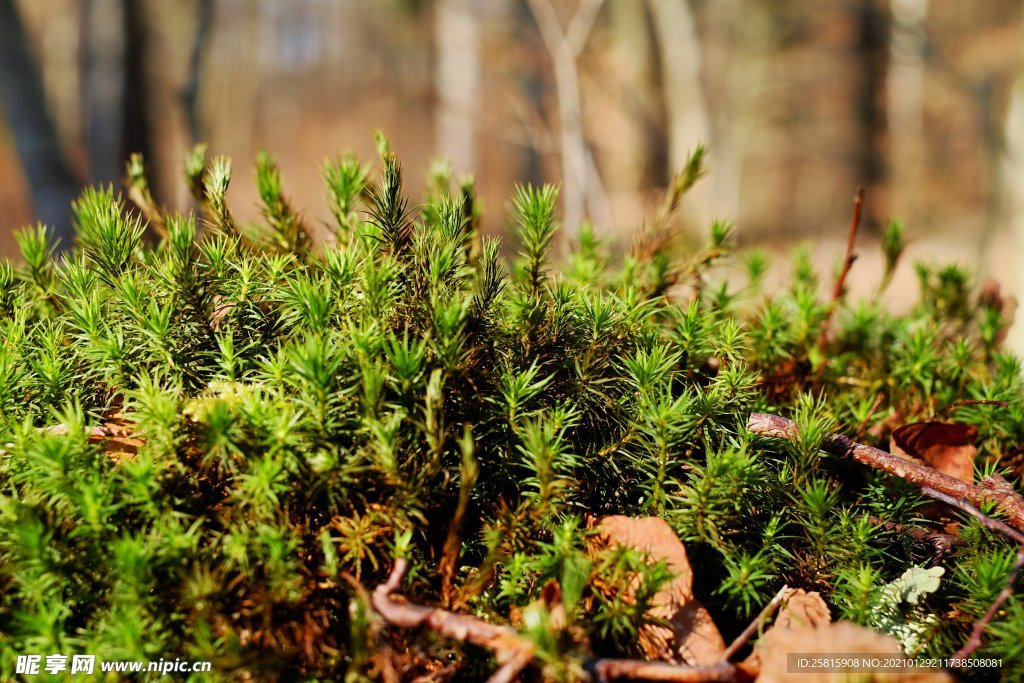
[310, 411]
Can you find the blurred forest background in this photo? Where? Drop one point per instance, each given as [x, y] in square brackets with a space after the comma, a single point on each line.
[799, 101]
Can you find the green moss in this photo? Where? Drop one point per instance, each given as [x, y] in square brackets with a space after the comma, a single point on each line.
[311, 411]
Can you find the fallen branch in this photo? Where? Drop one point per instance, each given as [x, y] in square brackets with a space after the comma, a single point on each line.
[934, 484]
[511, 650]
[986, 521]
[974, 642]
[993, 489]
[514, 652]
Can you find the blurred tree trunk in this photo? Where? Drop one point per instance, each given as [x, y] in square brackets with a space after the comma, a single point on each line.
[581, 187]
[679, 46]
[639, 146]
[200, 44]
[1012, 186]
[457, 80]
[114, 86]
[906, 103]
[50, 180]
[873, 58]
[738, 56]
[688, 125]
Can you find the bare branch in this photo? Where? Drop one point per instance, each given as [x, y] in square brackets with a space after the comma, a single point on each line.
[634, 669]
[974, 642]
[513, 651]
[581, 25]
[755, 625]
[547, 22]
[509, 647]
[837, 292]
[563, 48]
[988, 522]
[936, 485]
[993, 489]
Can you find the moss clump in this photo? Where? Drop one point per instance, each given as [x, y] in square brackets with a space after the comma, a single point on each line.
[306, 413]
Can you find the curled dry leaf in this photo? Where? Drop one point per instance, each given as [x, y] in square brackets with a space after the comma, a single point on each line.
[691, 636]
[946, 446]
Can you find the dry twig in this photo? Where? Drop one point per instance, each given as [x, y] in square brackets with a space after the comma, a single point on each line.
[639, 670]
[867, 418]
[974, 641]
[934, 484]
[992, 489]
[974, 402]
[938, 540]
[756, 624]
[514, 652]
[837, 292]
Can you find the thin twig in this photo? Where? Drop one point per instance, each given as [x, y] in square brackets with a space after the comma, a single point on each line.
[934, 484]
[514, 652]
[837, 292]
[938, 540]
[867, 418]
[637, 670]
[990, 489]
[974, 641]
[756, 624]
[510, 649]
[564, 47]
[974, 402]
[986, 521]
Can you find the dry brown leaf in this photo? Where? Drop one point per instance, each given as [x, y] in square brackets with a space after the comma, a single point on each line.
[802, 610]
[691, 636]
[119, 438]
[843, 638]
[946, 446]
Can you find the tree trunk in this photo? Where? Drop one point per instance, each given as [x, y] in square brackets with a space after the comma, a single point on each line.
[457, 80]
[51, 182]
[686, 106]
[1012, 178]
[679, 48]
[873, 57]
[114, 85]
[639, 147]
